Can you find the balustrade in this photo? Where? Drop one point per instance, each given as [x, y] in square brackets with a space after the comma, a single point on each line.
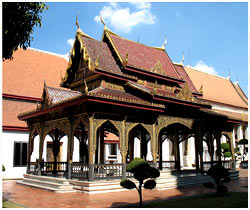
[32, 168]
[107, 171]
[49, 167]
[79, 170]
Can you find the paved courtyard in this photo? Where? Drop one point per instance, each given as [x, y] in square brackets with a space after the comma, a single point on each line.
[36, 198]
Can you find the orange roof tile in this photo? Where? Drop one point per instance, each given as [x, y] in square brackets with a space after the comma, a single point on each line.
[215, 88]
[26, 73]
[240, 91]
[110, 136]
[12, 108]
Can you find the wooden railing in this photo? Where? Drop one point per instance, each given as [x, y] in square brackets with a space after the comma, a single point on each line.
[79, 170]
[32, 168]
[107, 171]
[49, 167]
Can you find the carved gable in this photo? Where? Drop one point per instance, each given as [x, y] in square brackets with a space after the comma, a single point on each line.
[158, 68]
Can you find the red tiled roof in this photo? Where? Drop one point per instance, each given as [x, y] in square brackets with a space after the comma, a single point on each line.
[106, 60]
[215, 88]
[144, 57]
[57, 95]
[186, 78]
[11, 109]
[121, 96]
[26, 73]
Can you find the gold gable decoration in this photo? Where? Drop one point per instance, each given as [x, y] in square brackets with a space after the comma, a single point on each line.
[125, 60]
[158, 68]
[85, 56]
[186, 94]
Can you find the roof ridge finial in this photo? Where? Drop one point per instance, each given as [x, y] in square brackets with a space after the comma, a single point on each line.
[165, 43]
[77, 20]
[182, 60]
[101, 19]
[228, 73]
[237, 78]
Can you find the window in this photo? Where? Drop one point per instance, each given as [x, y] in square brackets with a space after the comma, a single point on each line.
[112, 150]
[20, 154]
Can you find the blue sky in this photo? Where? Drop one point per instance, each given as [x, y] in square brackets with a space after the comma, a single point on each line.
[212, 35]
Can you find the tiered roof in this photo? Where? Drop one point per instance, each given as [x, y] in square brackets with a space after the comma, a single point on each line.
[117, 58]
[144, 57]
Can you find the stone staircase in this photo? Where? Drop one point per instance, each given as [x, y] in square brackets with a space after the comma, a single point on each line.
[167, 180]
[58, 185]
[97, 186]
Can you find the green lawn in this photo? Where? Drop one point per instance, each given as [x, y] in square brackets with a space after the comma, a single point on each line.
[7, 204]
[231, 200]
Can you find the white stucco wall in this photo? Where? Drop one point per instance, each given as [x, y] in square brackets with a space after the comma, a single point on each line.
[7, 153]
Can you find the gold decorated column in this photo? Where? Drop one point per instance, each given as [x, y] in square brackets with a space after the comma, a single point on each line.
[123, 147]
[154, 145]
[91, 147]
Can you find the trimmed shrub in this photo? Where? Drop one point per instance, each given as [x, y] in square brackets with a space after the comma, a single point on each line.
[142, 171]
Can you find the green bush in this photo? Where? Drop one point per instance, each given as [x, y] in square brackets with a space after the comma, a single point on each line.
[225, 146]
[3, 168]
[142, 171]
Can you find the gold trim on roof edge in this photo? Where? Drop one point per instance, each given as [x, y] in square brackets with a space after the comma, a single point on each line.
[85, 55]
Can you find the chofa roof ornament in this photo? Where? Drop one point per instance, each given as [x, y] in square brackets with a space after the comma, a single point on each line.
[164, 44]
[182, 60]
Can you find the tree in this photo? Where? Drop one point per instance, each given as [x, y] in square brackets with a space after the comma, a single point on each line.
[3, 168]
[19, 20]
[142, 171]
[225, 150]
[220, 176]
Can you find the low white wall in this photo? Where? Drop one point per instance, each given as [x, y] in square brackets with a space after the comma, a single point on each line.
[7, 153]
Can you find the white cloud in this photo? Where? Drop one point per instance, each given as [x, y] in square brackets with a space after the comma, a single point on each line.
[201, 66]
[70, 42]
[122, 19]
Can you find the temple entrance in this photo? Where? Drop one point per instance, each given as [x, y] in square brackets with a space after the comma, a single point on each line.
[107, 144]
[139, 144]
[174, 150]
[52, 157]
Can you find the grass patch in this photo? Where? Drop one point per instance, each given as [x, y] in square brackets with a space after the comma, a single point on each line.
[231, 200]
[8, 204]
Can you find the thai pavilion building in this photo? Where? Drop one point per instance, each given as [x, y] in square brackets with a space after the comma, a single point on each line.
[122, 99]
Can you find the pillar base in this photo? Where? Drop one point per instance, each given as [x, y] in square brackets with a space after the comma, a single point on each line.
[91, 172]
